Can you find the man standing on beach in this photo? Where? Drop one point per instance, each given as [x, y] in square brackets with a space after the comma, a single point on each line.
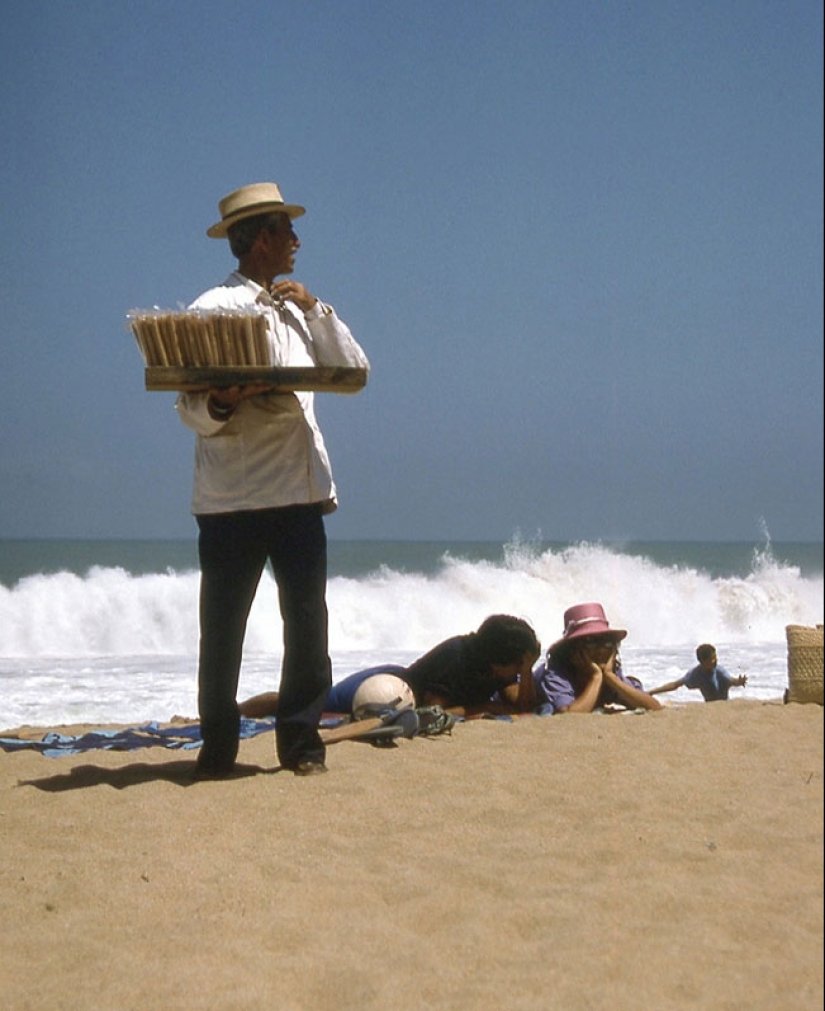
[262, 486]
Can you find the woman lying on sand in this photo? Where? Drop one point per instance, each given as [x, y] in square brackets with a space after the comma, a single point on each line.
[583, 670]
[487, 671]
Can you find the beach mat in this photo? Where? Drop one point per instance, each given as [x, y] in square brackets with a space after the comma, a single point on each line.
[149, 735]
[187, 736]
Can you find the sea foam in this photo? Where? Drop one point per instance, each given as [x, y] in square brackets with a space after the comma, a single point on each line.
[112, 645]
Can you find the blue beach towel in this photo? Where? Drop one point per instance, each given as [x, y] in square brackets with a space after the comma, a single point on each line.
[150, 735]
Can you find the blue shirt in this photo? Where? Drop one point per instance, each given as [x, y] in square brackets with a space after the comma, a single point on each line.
[714, 685]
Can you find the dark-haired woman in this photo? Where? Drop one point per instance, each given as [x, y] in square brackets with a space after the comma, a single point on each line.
[583, 669]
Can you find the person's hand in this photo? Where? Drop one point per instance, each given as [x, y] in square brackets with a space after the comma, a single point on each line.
[600, 660]
[294, 291]
[608, 667]
[597, 675]
[586, 665]
[223, 400]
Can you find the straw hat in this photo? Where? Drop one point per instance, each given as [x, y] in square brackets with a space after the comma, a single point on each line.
[258, 198]
[582, 620]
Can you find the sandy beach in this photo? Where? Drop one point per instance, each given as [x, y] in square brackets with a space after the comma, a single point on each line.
[658, 860]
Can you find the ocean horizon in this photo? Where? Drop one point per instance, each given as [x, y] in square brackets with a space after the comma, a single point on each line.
[20, 557]
[106, 631]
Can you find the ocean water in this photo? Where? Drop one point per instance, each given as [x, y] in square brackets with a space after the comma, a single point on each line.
[107, 631]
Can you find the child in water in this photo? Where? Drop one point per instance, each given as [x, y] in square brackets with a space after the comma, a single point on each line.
[708, 677]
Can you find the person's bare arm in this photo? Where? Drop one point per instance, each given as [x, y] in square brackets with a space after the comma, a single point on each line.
[630, 695]
[259, 706]
[669, 687]
[587, 700]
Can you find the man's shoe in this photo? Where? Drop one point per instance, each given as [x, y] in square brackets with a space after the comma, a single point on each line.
[205, 771]
[312, 768]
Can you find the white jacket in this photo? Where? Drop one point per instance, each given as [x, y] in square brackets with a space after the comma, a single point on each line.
[270, 452]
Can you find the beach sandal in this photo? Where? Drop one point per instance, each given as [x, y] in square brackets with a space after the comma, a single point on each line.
[396, 723]
[378, 725]
[433, 720]
[380, 710]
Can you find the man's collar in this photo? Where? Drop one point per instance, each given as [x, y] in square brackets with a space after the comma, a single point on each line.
[261, 294]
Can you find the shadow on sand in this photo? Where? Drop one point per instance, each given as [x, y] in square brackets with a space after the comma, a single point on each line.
[82, 777]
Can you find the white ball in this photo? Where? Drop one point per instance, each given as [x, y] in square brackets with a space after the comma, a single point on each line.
[382, 690]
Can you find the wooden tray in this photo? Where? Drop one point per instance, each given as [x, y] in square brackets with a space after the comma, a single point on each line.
[319, 378]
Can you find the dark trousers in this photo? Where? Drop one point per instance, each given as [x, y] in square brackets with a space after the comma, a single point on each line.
[233, 550]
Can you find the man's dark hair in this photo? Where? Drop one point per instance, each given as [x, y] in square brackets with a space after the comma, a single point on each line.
[243, 233]
[705, 652]
[503, 639]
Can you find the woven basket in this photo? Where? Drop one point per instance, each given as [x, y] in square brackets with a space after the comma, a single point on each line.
[805, 664]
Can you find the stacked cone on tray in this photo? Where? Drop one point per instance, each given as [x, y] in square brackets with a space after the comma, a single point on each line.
[201, 339]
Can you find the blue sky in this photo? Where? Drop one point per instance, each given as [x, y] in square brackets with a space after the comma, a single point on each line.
[581, 243]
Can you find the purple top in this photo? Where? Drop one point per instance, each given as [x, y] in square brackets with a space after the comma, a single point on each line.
[554, 688]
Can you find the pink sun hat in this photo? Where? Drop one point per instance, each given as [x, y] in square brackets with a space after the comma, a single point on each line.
[585, 620]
